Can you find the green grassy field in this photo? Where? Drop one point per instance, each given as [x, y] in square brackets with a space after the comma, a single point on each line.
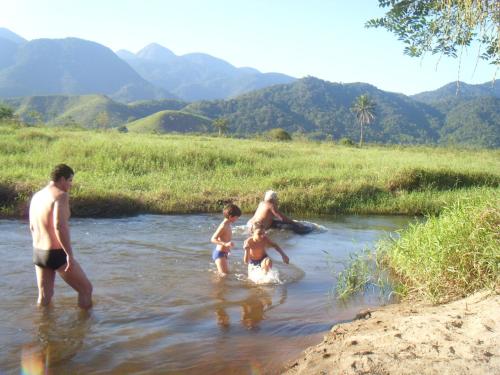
[121, 174]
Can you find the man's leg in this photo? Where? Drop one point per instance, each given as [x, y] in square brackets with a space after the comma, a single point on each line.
[77, 279]
[45, 280]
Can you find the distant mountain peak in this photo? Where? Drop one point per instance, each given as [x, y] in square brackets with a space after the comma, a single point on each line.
[156, 52]
[9, 35]
[125, 54]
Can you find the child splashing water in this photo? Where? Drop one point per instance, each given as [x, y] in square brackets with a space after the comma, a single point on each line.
[256, 256]
[222, 238]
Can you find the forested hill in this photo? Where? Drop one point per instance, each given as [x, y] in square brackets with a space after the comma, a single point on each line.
[315, 106]
[459, 91]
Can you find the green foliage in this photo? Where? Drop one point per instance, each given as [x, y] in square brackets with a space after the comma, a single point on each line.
[346, 142]
[221, 124]
[443, 26]
[473, 122]
[452, 255]
[279, 134]
[6, 112]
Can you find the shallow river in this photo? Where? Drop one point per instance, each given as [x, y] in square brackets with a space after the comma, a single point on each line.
[160, 308]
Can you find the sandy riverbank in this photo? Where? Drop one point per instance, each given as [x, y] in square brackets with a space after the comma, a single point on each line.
[462, 337]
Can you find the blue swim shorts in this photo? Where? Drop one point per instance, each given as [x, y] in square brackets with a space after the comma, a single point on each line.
[216, 254]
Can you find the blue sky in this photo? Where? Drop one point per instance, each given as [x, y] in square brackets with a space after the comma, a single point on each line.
[322, 38]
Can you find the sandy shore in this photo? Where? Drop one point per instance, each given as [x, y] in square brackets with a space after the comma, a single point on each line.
[462, 337]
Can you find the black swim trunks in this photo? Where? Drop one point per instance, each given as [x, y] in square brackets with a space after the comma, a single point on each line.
[52, 259]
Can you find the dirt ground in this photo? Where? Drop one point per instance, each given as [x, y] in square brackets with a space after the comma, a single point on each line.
[461, 337]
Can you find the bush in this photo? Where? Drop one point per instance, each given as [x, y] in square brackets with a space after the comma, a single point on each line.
[6, 113]
[346, 142]
[279, 134]
[122, 129]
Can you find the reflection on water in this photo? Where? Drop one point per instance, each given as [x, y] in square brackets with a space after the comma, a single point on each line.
[59, 336]
[159, 307]
[254, 305]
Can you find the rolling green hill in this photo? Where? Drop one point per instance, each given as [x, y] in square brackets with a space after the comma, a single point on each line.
[171, 121]
[90, 111]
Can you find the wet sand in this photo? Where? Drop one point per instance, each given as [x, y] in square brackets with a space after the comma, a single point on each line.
[461, 337]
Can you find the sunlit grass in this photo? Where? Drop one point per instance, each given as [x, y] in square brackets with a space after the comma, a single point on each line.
[450, 255]
[121, 174]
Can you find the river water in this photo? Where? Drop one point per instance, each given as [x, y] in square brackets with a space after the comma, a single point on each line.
[159, 307]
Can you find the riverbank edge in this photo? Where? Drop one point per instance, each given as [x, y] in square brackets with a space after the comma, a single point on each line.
[411, 337]
[15, 198]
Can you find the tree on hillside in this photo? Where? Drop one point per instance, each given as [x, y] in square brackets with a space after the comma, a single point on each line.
[102, 120]
[6, 113]
[444, 26]
[34, 117]
[364, 109]
[221, 124]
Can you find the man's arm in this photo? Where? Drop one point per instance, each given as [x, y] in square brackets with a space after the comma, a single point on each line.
[279, 215]
[61, 227]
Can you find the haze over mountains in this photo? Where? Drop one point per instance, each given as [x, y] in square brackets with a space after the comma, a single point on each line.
[68, 66]
[197, 76]
[73, 81]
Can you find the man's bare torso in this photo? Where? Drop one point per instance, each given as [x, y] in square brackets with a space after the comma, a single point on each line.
[41, 218]
[264, 214]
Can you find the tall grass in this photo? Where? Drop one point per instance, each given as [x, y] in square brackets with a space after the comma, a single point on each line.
[121, 174]
[450, 255]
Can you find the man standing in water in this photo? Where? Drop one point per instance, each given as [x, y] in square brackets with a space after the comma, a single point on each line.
[269, 216]
[49, 224]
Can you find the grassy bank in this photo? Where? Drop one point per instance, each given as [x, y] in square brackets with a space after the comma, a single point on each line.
[451, 255]
[122, 174]
[445, 257]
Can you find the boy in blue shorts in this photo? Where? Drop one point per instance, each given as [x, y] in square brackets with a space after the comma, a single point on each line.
[222, 238]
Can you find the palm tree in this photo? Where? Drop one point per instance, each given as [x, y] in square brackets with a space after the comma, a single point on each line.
[221, 124]
[364, 109]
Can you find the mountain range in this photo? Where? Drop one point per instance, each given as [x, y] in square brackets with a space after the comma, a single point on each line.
[73, 81]
[69, 66]
[73, 66]
[197, 76]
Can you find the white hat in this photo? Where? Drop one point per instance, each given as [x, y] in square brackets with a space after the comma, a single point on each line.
[270, 196]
